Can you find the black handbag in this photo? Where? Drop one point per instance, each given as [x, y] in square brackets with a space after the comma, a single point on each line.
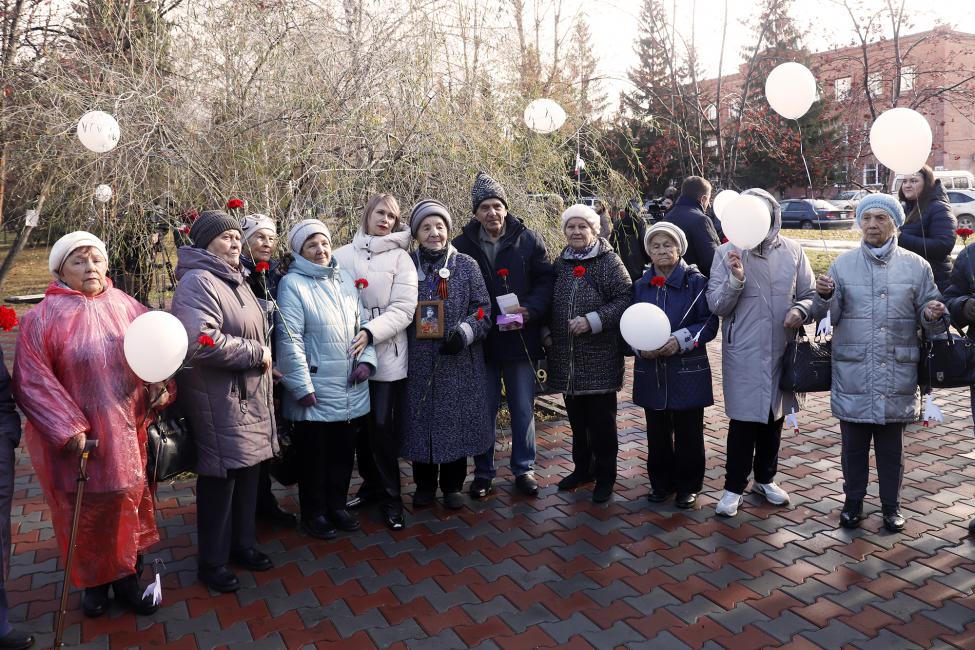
[806, 366]
[947, 362]
[171, 448]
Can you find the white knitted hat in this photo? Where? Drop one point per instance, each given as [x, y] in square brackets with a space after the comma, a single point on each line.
[580, 211]
[669, 229]
[68, 244]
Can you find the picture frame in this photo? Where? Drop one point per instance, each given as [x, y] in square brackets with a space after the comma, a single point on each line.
[429, 319]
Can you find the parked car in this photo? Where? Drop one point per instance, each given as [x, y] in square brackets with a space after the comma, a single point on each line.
[848, 200]
[809, 214]
[963, 206]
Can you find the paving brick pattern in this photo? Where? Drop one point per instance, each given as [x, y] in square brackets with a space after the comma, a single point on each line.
[513, 572]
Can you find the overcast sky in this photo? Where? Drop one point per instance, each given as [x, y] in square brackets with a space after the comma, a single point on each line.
[615, 28]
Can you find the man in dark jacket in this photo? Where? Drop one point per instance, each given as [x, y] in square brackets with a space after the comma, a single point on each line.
[513, 260]
[688, 214]
[9, 440]
[627, 240]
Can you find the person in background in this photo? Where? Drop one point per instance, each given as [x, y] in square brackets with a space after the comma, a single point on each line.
[592, 290]
[670, 195]
[513, 260]
[10, 639]
[689, 214]
[605, 218]
[225, 394]
[929, 225]
[673, 383]
[627, 238]
[260, 241]
[72, 383]
[326, 367]
[378, 255]
[877, 295]
[447, 418]
[762, 296]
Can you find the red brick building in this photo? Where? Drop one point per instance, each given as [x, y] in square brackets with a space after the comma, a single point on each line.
[936, 77]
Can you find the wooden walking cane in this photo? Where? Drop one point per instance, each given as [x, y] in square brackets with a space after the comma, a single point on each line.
[82, 478]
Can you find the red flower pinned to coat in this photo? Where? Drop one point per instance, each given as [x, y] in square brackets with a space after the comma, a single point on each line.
[578, 271]
[361, 283]
[964, 233]
[8, 319]
[262, 267]
[233, 204]
[205, 341]
[502, 273]
[480, 313]
[657, 281]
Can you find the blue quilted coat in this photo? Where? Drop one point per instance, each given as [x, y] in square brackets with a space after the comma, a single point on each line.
[682, 381]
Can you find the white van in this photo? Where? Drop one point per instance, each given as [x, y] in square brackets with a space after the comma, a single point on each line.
[950, 180]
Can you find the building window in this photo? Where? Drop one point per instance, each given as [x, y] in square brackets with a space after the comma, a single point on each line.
[734, 107]
[907, 78]
[711, 111]
[842, 87]
[871, 174]
[875, 84]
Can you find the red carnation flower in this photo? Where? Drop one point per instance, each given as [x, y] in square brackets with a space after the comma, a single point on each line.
[503, 273]
[480, 313]
[964, 233]
[184, 229]
[657, 281]
[233, 204]
[8, 319]
[262, 267]
[361, 283]
[191, 215]
[205, 341]
[578, 271]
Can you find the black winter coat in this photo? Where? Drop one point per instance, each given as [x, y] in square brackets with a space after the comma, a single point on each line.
[592, 363]
[961, 289]
[627, 241]
[702, 239]
[933, 235]
[529, 275]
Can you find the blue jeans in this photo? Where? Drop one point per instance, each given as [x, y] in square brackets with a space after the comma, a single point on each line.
[519, 384]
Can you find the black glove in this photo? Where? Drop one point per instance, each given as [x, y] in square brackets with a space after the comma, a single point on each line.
[453, 344]
[968, 310]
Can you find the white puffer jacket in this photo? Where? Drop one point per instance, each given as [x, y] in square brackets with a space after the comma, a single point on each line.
[390, 298]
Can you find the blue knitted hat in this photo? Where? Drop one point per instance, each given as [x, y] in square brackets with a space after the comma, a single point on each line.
[885, 202]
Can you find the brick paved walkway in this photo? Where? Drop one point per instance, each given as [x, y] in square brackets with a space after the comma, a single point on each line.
[558, 570]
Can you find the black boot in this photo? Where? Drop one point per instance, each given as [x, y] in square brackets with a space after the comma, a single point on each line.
[852, 513]
[129, 594]
[893, 520]
[94, 602]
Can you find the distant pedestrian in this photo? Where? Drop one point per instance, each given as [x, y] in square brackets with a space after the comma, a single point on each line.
[929, 226]
[689, 214]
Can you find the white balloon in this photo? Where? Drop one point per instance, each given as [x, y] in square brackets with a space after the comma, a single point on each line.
[645, 326]
[790, 90]
[155, 346]
[544, 116]
[721, 201]
[98, 131]
[901, 140]
[103, 193]
[746, 221]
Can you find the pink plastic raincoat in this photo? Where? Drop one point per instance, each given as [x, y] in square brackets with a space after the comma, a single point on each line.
[71, 377]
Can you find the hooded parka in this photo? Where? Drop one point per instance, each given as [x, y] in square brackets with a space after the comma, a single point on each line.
[778, 277]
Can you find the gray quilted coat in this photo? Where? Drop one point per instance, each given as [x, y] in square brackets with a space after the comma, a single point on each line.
[778, 277]
[875, 310]
[223, 392]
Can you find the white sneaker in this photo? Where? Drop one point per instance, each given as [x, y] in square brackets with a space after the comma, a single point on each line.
[772, 493]
[728, 505]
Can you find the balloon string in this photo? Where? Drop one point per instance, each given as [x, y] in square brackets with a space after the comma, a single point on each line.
[802, 154]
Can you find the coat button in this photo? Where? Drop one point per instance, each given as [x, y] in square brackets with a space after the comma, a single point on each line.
[883, 295]
[883, 364]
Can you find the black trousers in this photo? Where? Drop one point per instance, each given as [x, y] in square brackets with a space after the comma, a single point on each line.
[752, 445]
[266, 501]
[378, 451]
[594, 441]
[888, 447]
[675, 450]
[225, 510]
[327, 452]
[451, 476]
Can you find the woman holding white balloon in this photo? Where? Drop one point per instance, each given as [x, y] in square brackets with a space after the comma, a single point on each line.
[673, 382]
[762, 287]
[73, 383]
[929, 228]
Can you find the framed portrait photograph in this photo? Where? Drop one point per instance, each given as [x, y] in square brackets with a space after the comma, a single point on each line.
[429, 319]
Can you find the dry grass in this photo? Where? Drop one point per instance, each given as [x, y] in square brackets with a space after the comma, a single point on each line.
[28, 275]
[832, 235]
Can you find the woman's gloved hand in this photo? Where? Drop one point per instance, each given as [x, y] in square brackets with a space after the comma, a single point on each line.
[308, 400]
[360, 373]
[453, 344]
